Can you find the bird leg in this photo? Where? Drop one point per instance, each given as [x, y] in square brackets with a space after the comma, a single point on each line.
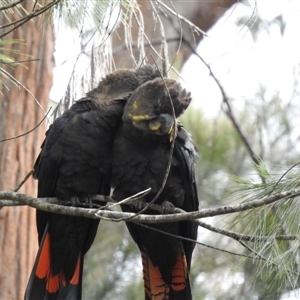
[75, 201]
[89, 201]
[167, 207]
[138, 204]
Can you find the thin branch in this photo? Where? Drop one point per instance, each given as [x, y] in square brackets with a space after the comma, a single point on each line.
[183, 19]
[244, 237]
[282, 176]
[18, 61]
[23, 86]
[180, 33]
[24, 180]
[164, 45]
[156, 42]
[198, 243]
[23, 134]
[226, 106]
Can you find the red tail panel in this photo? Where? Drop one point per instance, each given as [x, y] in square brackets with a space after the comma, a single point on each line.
[55, 282]
[76, 277]
[43, 265]
[155, 286]
[43, 270]
[179, 273]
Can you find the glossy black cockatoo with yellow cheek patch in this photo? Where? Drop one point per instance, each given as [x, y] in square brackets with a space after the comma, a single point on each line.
[141, 153]
[75, 163]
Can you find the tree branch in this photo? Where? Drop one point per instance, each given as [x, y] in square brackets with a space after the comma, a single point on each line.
[8, 198]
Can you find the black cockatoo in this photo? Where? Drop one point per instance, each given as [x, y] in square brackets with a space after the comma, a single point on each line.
[74, 164]
[140, 157]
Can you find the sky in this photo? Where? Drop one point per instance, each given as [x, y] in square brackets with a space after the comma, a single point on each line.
[242, 63]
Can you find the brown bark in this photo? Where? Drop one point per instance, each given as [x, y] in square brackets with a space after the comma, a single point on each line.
[204, 14]
[18, 114]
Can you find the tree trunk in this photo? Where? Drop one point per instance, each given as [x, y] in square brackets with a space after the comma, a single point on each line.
[20, 113]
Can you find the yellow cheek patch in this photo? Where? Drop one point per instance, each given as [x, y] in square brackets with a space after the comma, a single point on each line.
[139, 118]
[154, 126]
[135, 105]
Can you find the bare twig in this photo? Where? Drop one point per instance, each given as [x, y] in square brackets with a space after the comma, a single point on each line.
[181, 18]
[244, 237]
[23, 134]
[282, 176]
[23, 86]
[24, 180]
[155, 42]
[164, 45]
[198, 243]
[180, 34]
[18, 61]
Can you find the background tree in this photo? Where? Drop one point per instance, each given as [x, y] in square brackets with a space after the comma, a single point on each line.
[30, 48]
